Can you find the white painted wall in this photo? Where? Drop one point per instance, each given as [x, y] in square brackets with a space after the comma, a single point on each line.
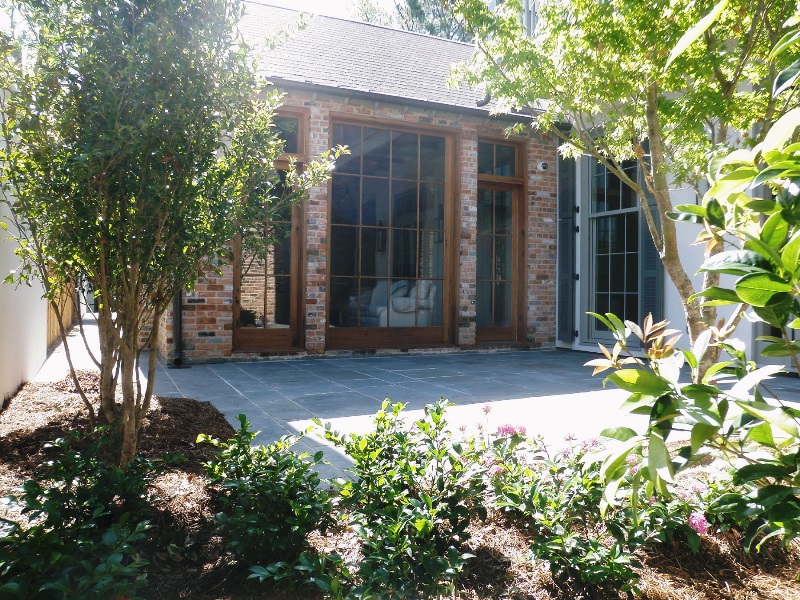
[23, 324]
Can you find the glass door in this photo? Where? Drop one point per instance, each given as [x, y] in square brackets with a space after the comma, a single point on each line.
[496, 304]
[266, 299]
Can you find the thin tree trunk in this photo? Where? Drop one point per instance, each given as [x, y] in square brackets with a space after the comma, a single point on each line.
[128, 430]
[669, 251]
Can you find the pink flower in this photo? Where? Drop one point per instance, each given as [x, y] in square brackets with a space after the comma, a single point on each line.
[698, 522]
[488, 460]
[634, 469]
[486, 409]
[566, 452]
[495, 471]
[570, 437]
[509, 430]
[587, 445]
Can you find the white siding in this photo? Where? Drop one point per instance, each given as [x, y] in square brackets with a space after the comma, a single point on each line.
[23, 325]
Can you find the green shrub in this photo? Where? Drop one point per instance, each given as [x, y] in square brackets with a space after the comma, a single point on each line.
[412, 499]
[88, 517]
[270, 496]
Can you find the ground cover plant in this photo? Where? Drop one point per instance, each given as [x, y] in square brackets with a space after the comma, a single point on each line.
[524, 547]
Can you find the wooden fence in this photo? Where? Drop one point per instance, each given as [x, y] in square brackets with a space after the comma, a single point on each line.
[67, 305]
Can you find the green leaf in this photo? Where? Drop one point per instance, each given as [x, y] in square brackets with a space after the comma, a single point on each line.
[701, 433]
[732, 183]
[774, 415]
[760, 471]
[781, 131]
[759, 289]
[762, 206]
[736, 262]
[658, 460]
[716, 215]
[623, 434]
[786, 78]
[694, 32]
[774, 230]
[762, 434]
[643, 382]
[780, 350]
[716, 296]
[790, 254]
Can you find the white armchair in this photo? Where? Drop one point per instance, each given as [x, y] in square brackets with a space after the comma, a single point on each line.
[412, 310]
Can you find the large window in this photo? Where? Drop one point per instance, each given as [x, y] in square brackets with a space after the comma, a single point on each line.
[614, 246]
[387, 229]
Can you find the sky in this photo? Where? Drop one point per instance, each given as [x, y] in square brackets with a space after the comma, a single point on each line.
[333, 8]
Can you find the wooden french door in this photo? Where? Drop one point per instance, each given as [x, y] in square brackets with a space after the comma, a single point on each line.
[267, 311]
[498, 304]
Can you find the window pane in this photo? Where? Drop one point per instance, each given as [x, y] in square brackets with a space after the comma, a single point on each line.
[483, 304]
[404, 204]
[613, 192]
[431, 160]
[601, 275]
[485, 211]
[617, 233]
[251, 312]
[404, 155]
[374, 301]
[617, 273]
[485, 158]
[504, 158]
[502, 212]
[345, 302]
[617, 304]
[502, 257]
[502, 304]
[632, 273]
[344, 251]
[431, 206]
[431, 255]
[278, 302]
[632, 232]
[375, 201]
[376, 152]
[485, 253]
[287, 129]
[350, 136]
[632, 307]
[279, 258]
[404, 253]
[344, 199]
[599, 193]
[374, 257]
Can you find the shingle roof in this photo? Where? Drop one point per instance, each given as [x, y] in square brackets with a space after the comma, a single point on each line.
[359, 57]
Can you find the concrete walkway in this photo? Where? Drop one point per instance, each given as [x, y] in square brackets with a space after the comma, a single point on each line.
[550, 393]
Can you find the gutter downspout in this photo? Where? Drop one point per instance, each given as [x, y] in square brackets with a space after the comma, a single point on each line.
[177, 332]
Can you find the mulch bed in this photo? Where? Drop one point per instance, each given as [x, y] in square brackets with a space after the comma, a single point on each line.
[187, 560]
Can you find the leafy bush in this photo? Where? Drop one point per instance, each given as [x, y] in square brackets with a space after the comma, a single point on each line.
[88, 517]
[412, 499]
[559, 495]
[269, 496]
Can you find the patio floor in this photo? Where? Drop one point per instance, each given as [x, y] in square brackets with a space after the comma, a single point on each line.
[549, 392]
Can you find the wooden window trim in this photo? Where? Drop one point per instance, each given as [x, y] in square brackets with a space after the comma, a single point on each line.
[302, 115]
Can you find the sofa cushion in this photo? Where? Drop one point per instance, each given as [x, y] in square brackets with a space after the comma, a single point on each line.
[404, 304]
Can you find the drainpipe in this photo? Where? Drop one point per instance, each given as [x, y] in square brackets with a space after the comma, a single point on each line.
[177, 331]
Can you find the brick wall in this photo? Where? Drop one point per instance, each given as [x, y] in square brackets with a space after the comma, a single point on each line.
[208, 317]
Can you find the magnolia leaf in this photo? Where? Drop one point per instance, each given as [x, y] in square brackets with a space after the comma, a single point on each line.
[623, 434]
[762, 206]
[732, 183]
[774, 230]
[786, 78]
[795, 324]
[762, 434]
[790, 255]
[749, 381]
[737, 157]
[759, 289]
[760, 471]
[781, 131]
[694, 32]
[716, 215]
[701, 433]
[779, 350]
[716, 296]
[736, 262]
[643, 382]
[658, 460]
[774, 415]
[787, 41]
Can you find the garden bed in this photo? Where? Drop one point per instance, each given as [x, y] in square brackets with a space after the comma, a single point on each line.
[187, 559]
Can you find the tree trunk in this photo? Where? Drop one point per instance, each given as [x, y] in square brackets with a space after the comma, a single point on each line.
[670, 257]
[128, 422]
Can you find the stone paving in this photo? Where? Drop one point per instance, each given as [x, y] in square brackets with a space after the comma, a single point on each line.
[549, 392]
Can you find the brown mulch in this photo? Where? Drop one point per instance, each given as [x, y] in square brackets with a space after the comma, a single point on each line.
[188, 561]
